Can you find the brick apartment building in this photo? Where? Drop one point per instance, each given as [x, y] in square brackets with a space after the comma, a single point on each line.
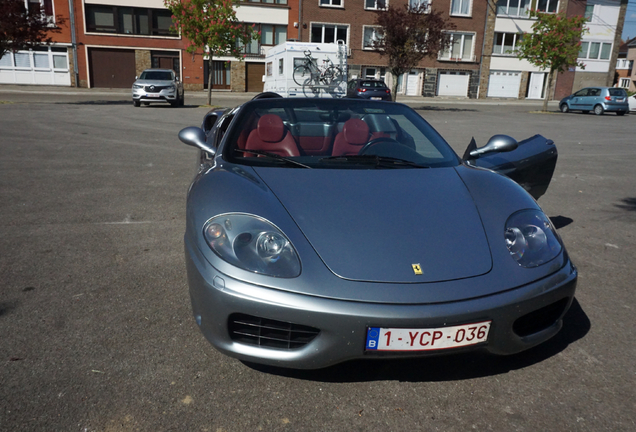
[45, 65]
[454, 73]
[114, 40]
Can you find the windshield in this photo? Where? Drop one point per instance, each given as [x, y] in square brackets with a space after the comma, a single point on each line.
[372, 84]
[156, 75]
[334, 133]
[617, 92]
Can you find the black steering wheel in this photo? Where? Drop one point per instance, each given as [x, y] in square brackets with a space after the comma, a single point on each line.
[375, 141]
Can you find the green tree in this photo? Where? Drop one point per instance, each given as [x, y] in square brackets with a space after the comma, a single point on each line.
[212, 26]
[409, 34]
[554, 45]
[22, 29]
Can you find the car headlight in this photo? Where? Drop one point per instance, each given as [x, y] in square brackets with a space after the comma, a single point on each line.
[172, 88]
[137, 86]
[531, 239]
[253, 244]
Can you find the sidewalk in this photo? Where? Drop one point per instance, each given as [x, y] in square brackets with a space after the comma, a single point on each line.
[125, 93]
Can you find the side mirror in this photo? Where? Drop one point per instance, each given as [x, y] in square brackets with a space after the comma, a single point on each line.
[136, 77]
[195, 137]
[497, 143]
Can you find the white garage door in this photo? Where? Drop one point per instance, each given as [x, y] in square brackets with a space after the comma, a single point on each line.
[453, 83]
[41, 65]
[504, 84]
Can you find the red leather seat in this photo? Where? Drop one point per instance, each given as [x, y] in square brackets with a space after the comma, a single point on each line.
[354, 135]
[271, 136]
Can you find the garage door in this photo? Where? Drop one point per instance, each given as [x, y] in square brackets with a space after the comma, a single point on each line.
[453, 83]
[254, 75]
[111, 68]
[504, 84]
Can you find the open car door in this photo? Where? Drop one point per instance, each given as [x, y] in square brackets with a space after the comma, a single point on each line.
[531, 164]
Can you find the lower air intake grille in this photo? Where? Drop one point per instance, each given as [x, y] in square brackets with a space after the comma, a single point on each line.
[540, 319]
[269, 333]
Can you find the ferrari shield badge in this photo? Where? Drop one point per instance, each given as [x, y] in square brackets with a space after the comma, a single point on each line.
[417, 269]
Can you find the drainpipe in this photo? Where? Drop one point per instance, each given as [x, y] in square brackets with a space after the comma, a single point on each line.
[73, 41]
[300, 18]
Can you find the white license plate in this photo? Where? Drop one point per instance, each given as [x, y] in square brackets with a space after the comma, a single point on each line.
[153, 95]
[427, 339]
[376, 98]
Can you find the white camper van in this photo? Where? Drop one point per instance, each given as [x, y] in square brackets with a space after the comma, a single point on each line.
[303, 69]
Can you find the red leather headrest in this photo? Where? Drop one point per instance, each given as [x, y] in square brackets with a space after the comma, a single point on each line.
[270, 128]
[356, 131]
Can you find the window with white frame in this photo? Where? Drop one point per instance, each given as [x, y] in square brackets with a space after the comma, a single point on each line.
[44, 7]
[376, 4]
[460, 7]
[506, 43]
[374, 73]
[595, 50]
[333, 3]
[424, 4]
[514, 8]
[624, 83]
[329, 33]
[548, 6]
[268, 1]
[624, 64]
[589, 12]
[460, 48]
[370, 36]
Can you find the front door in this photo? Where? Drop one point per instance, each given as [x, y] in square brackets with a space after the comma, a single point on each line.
[535, 88]
[412, 83]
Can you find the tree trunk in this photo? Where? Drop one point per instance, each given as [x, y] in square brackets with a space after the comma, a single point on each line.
[548, 90]
[395, 86]
[210, 79]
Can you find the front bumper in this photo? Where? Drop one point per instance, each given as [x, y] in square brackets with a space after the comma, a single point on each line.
[165, 96]
[342, 324]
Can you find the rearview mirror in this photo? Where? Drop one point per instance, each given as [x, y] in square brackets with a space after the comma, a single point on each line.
[497, 143]
[195, 137]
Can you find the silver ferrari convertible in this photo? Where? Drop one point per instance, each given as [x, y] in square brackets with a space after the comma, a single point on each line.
[324, 230]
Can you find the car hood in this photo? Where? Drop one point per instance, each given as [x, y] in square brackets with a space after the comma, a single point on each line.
[379, 225]
[154, 82]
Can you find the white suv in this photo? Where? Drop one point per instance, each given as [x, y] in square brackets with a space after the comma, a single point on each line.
[157, 85]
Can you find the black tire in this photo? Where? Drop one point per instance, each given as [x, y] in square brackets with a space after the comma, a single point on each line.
[331, 75]
[620, 113]
[182, 100]
[564, 108]
[301, 75]
[136, 103]
[310, 90]
[598, 110]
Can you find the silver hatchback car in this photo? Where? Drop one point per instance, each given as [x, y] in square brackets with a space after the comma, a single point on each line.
[158, 85]
[597, 99]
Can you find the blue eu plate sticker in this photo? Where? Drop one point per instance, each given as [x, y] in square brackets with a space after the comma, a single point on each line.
[373, 333]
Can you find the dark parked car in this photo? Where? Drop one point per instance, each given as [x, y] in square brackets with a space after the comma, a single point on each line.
[158, 86]
[368, 89]
[324, 230]
[597, 99]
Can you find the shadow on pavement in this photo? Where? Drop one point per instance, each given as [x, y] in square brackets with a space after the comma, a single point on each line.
[455, 367]
[122, 102]
[437, 108]
[561, 221]
[628, 204]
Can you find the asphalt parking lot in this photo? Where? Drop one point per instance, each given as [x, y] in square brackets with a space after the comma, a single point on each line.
[96, 332]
